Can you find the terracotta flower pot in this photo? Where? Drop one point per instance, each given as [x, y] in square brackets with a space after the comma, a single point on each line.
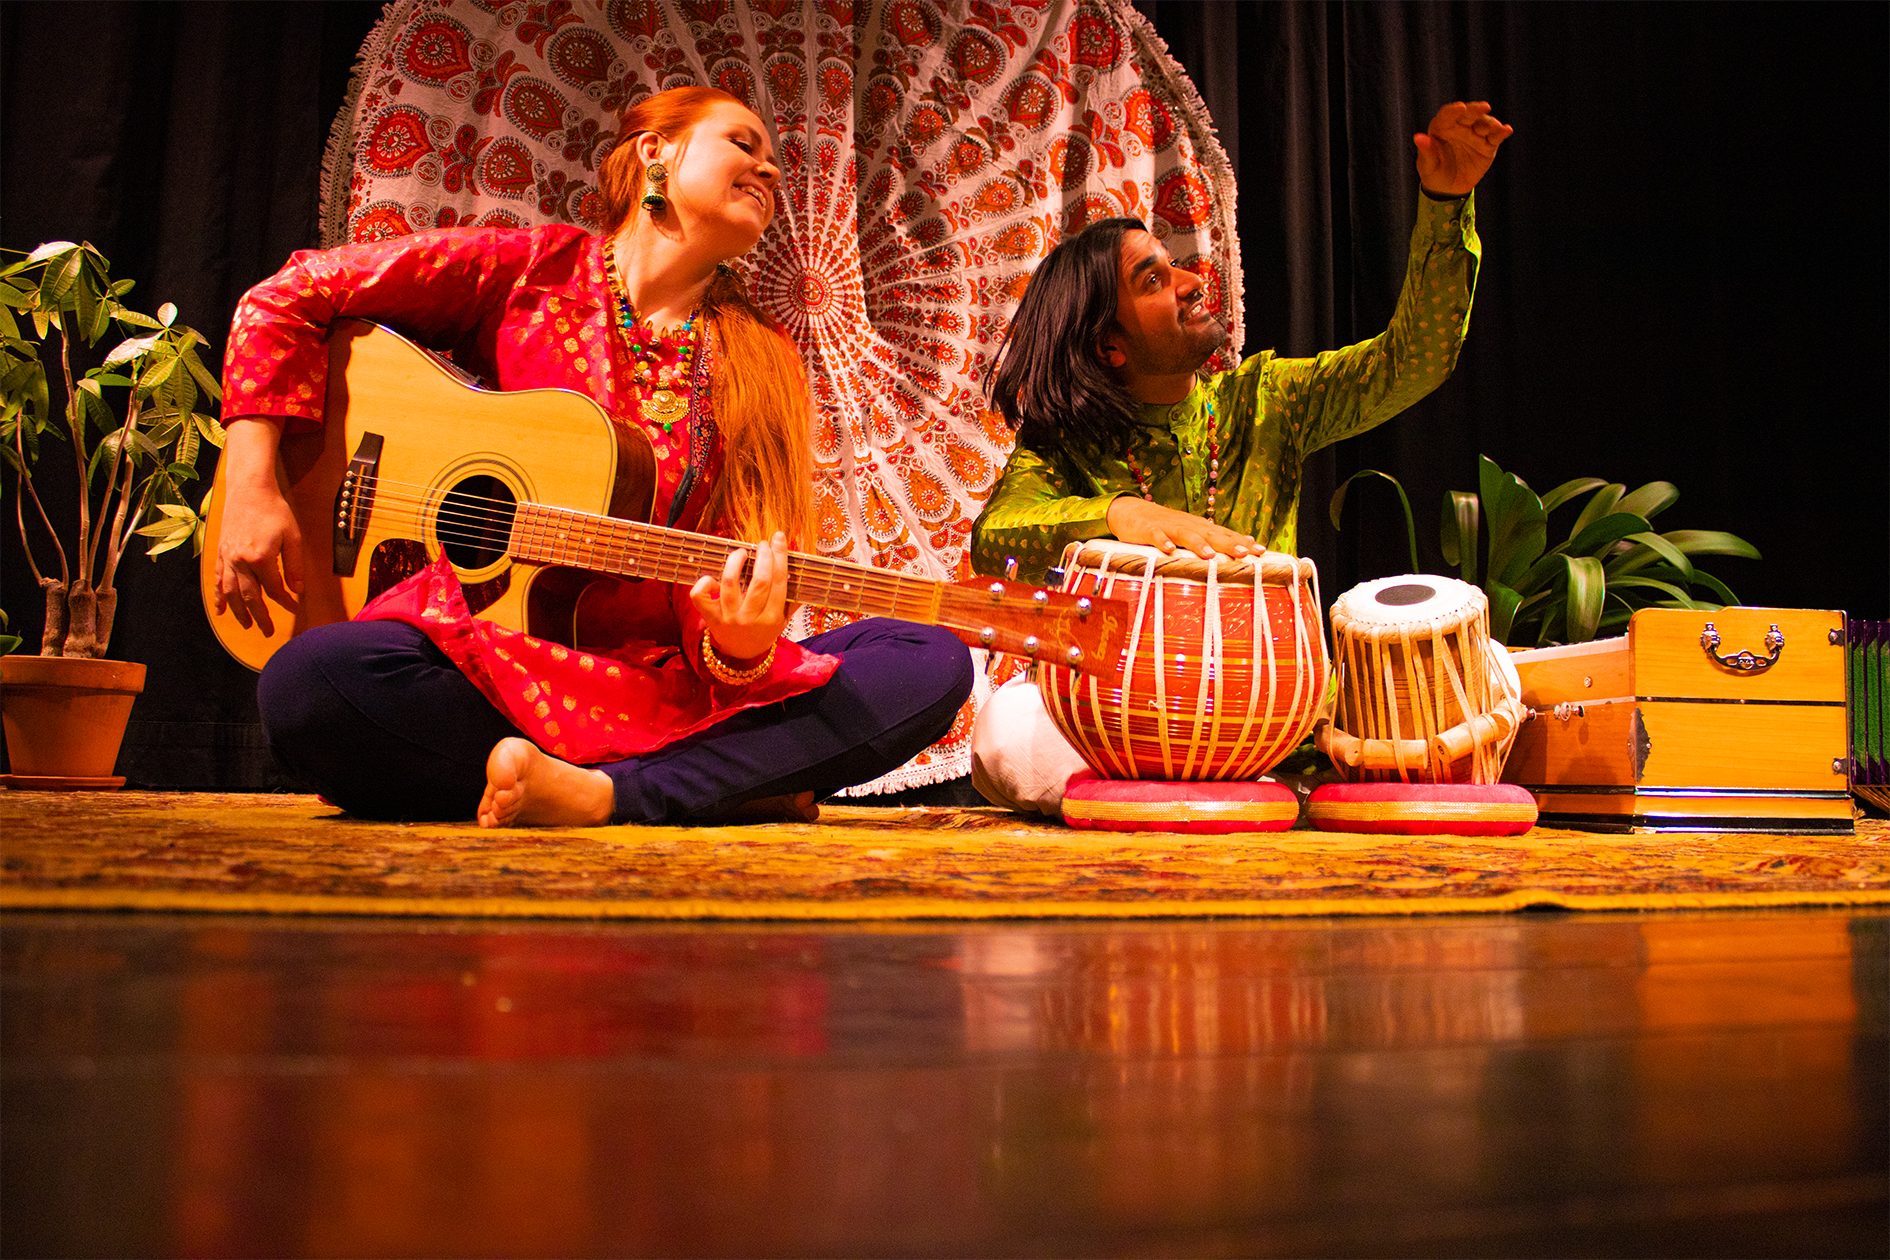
[65, 718]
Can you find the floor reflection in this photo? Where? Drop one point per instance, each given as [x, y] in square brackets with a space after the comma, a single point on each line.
[360, 1089]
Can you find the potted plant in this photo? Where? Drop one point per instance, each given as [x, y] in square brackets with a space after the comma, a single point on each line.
[1611, 563]
[134, 429]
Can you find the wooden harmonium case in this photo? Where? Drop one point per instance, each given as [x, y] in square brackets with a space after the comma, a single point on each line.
[1731, 720]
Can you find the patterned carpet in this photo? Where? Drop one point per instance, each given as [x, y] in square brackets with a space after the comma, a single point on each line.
[295, 855]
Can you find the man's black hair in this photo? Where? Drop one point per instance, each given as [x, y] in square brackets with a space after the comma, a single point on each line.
[1051, 383]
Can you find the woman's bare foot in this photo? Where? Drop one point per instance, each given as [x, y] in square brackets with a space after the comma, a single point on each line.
[528, 787]
[799, 808]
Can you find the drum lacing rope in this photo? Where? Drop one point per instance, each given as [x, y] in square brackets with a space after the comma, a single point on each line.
[1212, 667]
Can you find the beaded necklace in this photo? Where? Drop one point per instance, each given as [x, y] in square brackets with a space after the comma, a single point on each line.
[666, 386]
[1214, 466]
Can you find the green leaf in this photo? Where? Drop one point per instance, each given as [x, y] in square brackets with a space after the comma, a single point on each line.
[142, 447]
[96, 410]
[167, 314]
[130, 348]
[170, 533]
[55, 283]
[1503, 605]
[1646, 583]
[1539, 574]
[205, 379]
[1650, 500]
[51, 249]
[1518, 529]
[210, 427]
[125, 315]
[1711, 542]
[1457, 532]
[1662, 548]
[157, 375]
[1597, 507]
[1606, 532]
[1586, 586]
[1410, 525]
[1489, 482]
[94, 316]
[1568, 490]
[1716, 586]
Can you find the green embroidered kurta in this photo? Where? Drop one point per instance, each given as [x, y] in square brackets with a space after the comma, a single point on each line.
[1270, 414]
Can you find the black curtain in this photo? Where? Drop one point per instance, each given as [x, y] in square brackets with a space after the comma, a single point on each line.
[1685, 271]
[184, 140]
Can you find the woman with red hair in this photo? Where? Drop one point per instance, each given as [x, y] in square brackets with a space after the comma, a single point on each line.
[699, 709]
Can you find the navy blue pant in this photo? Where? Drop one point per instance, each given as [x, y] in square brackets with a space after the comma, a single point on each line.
[376, 718]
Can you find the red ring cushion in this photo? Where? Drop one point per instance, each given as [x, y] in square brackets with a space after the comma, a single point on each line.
[1423, 809]
[1097, 804]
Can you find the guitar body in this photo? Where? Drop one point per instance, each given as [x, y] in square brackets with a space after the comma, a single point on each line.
[451, 462]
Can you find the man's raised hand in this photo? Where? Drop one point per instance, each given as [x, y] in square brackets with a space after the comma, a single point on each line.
[1457, 150]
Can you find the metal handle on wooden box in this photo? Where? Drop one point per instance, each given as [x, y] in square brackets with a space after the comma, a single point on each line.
[1744, 662]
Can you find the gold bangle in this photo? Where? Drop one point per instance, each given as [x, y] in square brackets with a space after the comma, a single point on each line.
[719, 670]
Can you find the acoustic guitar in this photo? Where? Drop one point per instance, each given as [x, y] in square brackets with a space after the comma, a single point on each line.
[536, 497]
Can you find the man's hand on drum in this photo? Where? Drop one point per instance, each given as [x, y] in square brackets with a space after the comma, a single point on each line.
[744, 622]
[1134, 520]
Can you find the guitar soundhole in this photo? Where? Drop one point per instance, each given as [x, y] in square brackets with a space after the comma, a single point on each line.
[474, 521]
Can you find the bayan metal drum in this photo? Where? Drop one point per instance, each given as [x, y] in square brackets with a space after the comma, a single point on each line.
[1424, 695]
[1223, 674]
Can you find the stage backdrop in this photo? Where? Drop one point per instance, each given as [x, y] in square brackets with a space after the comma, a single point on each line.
[1684, 275]
[931, 151]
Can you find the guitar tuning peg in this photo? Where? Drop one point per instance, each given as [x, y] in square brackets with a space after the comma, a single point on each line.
[1010, 568]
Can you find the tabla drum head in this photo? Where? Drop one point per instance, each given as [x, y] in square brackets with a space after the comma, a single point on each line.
[1091, 803]
[1409, 599]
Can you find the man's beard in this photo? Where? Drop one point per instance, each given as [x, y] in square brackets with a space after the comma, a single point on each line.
[1212, 337]
[1193, 348]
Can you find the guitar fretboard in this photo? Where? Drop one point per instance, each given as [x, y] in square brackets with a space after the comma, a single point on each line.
[606, 544]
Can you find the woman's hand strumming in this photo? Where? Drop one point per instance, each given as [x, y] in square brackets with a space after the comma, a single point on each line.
[260, 551]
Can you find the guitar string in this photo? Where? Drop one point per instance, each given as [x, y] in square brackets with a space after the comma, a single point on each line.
[690, 552]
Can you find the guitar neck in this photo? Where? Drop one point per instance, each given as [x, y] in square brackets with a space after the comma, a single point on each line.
[606, 544]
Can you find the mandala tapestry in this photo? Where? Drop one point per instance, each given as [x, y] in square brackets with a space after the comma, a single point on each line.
[932, 151]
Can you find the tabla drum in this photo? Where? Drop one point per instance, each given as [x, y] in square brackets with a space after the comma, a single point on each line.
[1424, 695]
[1224, 668]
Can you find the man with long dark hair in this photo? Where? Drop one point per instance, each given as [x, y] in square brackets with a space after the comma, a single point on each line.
[1119, 435]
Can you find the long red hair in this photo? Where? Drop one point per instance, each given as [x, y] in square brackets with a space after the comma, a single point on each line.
[760, 389]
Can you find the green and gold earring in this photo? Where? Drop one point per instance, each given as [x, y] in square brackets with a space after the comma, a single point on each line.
[654, 177]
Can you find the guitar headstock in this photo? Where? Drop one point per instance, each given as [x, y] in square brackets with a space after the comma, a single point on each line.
[1084, 633]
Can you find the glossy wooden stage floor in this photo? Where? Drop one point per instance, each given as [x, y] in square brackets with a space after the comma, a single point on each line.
[1535, 1084]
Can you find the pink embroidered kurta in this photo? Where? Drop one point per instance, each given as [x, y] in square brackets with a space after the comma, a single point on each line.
[522, 309]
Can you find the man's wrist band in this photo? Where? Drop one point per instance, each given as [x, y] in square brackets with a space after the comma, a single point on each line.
[720, 671]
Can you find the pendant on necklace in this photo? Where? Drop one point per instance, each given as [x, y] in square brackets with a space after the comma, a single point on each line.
[664, 407]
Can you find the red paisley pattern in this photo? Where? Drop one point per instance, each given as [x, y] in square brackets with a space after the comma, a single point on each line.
[932, 151]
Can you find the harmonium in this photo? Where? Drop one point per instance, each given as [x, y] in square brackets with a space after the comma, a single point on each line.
[1730, 720]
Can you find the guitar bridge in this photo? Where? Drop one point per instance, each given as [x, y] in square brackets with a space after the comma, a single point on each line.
[354, 502]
